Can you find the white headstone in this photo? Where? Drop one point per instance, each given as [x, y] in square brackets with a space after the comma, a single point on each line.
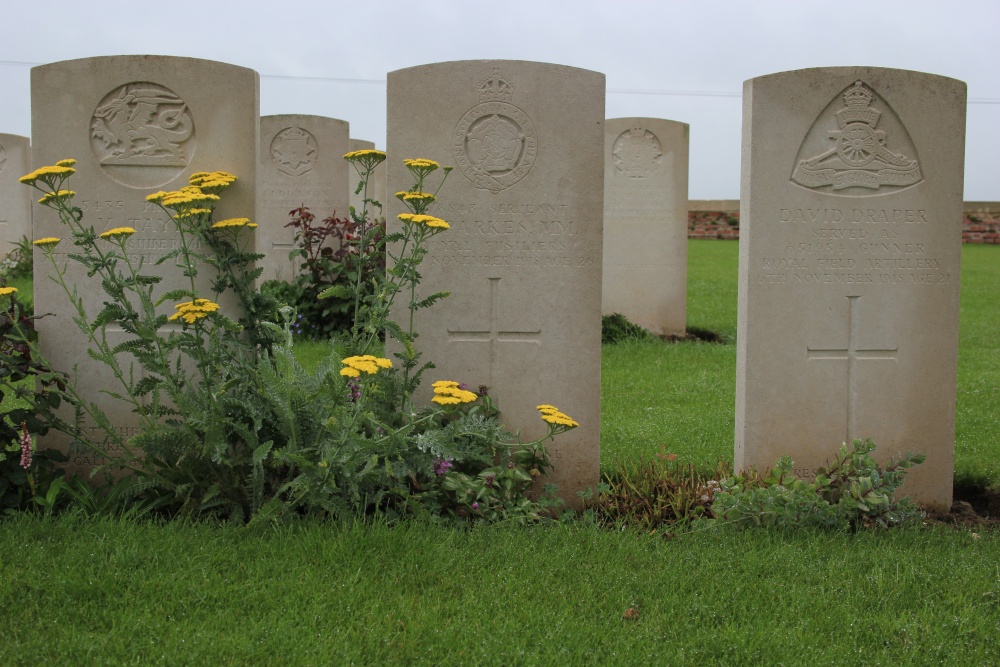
[523, 256]
[301, 164]
[850, 240]
[135, 125]
[646, 222]
[15, 198]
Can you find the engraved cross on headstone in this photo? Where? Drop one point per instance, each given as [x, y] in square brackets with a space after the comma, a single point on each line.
[495, 334]
[852, 354]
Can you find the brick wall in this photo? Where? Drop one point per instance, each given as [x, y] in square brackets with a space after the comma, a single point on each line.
[720, 219]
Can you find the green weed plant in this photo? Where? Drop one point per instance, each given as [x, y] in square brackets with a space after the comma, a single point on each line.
[852, 492]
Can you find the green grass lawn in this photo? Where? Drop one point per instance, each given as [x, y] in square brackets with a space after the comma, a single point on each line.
[103, 592]
[100, 592]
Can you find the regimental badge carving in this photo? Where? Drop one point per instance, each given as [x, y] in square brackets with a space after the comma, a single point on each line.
[637, 153]
[856, 146]
[495, 143]
[294, 151]
[3, 158]
[145, 125]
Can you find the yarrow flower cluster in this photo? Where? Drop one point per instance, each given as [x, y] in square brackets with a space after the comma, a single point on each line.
[424, 219]
[48, 241]
[421, 166]
[367, 155]
[355, 366]
[123, 232]
[192, 311]
[408, 196]
[234, 222]
[50, 174]
[448, 392]
[188, 196]
[52, 196]
[211, 182]
[551, 414]
[4, 291]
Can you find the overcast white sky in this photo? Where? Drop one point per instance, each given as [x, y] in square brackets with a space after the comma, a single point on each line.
[680, 60]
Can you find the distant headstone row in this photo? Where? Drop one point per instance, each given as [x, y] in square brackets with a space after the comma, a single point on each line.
[849, 260]
[15, 199]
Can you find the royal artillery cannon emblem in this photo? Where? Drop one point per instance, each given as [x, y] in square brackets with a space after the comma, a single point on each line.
[856, 157]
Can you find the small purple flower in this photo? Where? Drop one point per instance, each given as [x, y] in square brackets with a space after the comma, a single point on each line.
[441, 466]
[483, 390]
[475, 506]
[489, 480]
[463, 386]
[354, 387]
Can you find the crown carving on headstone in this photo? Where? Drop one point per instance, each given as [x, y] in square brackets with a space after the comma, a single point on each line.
[295, 133]
[495, 89]
[857, 100]
[858, 96]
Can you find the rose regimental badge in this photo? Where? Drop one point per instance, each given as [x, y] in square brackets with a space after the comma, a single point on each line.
[856, 158]
[495, 143]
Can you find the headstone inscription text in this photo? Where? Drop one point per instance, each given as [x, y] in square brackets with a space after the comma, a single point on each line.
[849, 268]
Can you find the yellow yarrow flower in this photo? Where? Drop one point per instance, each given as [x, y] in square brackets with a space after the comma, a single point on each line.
[192, 311]
[423, 219]
[366, 155]
[367, 364]
[68, 162]
[421, 164]
[447, 392]
[192, 213]
[123, 232]
[46, 174]
[4, 291]
[552, 415]
[189, 195]
[409, 196]
[350, 372]
[47, 241]
[212, 182]
[234, 222]
[156, 197]
[51, 196]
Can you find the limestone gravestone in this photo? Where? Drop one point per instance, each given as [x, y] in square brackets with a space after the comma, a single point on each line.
[15, 199]
[645, 222]
[850, 245]
[301, 163]
[135, 125]
[376, 183]
[523, 256]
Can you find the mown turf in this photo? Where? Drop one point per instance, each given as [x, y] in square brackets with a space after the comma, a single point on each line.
[109, 593]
